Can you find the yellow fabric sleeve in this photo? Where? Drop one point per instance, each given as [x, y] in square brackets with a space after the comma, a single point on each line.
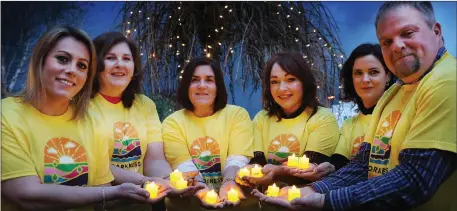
[434, 125]
[241, 135]
[175, 145]
[324, 137]
[154, 127]
[258, 128]
[103, 173]
[343, 146]
[16, 160]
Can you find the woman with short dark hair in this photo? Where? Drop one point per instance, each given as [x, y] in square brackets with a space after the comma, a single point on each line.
[208, 135]
[292, 121]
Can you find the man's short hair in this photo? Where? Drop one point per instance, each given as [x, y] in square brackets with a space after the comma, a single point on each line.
[424, 7]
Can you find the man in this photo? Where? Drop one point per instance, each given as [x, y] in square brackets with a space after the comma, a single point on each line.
[408, 159]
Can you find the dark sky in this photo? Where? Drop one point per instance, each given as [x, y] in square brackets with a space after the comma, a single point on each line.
[355, 21]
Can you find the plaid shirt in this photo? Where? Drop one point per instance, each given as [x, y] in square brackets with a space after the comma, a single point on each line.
[415, 180]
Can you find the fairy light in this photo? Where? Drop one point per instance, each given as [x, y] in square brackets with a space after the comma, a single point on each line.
[204, 50]
[179, 8]
[134, 30]
[314, 30]
[231, 48]
[216, 30]
[209, 46]
[220, 16]
[128, 22]
[209, 35]
[180, 77]
[325, 45]
[177, 37]
[279, 5]
[305, 57]
[222, 27]
[208, 55]
[307, 45]
[179, 65]
[182, 71]
[171, 45]
[296, 40]
[226, 6]
[177, 54]
[299, 12]
[318, 87]
[139, 11]
[289, 26]
[180, 24]
[277, 13]
[231, 51]
[320, 38]
[128, 31]
[183, 44]
[341, 56]
[131, 13]
[339, 87]
[219, 43]
[169, 16]
[288, 16]
[148, 18]
[340, 65]
[141, 54]
[296, 29]
[187, 61]
[230, 10]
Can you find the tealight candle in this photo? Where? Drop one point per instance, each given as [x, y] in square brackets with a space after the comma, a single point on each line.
[175, 176]
[293, 193]
[256, 171]
[243, 172]
[211, 197]
[233, 195]
[292, 161]
[152, 188]
[273, 190]
[303, 162]
[181, 183]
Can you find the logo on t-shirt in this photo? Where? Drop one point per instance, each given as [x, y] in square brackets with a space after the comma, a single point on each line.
[127, 147]
[65, 163]
[206, 156]
[356, 146]
[281, 147]
[380, 148]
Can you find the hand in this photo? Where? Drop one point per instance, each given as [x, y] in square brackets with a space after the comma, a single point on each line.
[315, 201]
[186, 192]
[314, 173]
[269, 172]
[312, 201]
[223, 195]
[201, 195]
[136, 193]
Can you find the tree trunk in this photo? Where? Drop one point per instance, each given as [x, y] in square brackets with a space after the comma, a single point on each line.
[20, 67]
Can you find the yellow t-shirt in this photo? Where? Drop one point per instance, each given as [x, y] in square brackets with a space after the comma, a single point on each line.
[54, 148]
[207, 141]
[352, 134]
[131, 130]
[421, 116]
[280, 139]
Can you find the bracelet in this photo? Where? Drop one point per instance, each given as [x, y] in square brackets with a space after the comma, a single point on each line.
[141, 181]
[166, 177]
[226, 180]
[104, 199]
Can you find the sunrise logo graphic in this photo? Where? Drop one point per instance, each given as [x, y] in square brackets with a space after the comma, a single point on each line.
[127, 146]
[65, 163]
[281, 147]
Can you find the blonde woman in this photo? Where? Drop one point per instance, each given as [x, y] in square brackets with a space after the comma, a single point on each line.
[52, 156]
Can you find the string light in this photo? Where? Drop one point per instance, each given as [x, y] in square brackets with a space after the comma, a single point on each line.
[219, 43]
[339, 87]
[131, 13]
[230, 48]
[222, 27]
[183, 44]
[128, 31]
[128, 22]
[291, 8]
[277, 13]
[179, 65]
[180, 77]
[341, 56]
[148, 18]
[318, 87]
[220, 16]
[307, 45]
[187, 61]
[204, 50]
[296, 29]
[208, 55]
[305, 57]
[296, 40]
[169, 16]
[141, 54]
[209, 35]
[325, 45]
[134, 30]
[279, 5]
[139, 11]
[182, 71]
[314, 30]
[226, 6]
[288, 16]
[230, 10]
[177, 37]
[299, 12]
[179, 8]
[216, 30]
[289, 26]
[180, 24]
[177, 54]
[209, 46]
[340, 65]
[170, 45]
[320, 38]
[231, 51]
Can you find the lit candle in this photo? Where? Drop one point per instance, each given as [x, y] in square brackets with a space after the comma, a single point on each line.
[303, 162]
[256, 171]
[293, 193]
[152, 188]
[233, 195]
[243, 172]
[273, 190]
[211, 197]
[292, 161]
[175, 176]
[181, 183]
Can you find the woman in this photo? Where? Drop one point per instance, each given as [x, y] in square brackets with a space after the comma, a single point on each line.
[131, 119]
[292, 121]
[53, 158]
[365, 77]
[208, 135]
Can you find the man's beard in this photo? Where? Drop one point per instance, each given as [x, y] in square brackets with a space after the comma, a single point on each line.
[407, 68]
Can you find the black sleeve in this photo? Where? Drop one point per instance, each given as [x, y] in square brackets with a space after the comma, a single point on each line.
[316, 157]
[259, 158]
[338, 161]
